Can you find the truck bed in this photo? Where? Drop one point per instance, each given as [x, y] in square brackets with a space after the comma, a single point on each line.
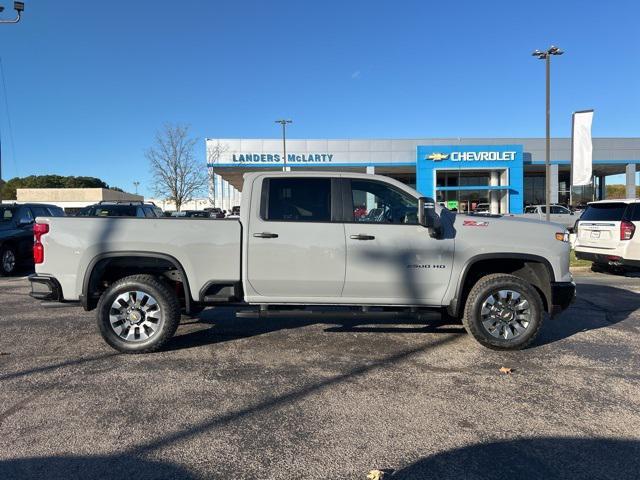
[207, 249]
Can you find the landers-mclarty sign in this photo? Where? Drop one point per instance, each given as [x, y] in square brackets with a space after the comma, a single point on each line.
[276, 158]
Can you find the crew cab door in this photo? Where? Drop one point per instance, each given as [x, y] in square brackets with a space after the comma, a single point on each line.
[391, 259]
[295, 250]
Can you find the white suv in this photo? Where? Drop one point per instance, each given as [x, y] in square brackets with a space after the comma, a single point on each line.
[606, 233]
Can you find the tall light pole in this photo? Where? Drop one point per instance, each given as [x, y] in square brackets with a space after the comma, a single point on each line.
[135, 184]
[284, 141]
[19, 8]
[546, 56]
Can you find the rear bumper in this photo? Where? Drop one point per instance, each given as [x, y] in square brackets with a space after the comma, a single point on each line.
[45, 288]
[607, 259]
[562, 295]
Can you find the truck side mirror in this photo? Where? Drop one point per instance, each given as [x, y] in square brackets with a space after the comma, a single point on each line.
[427, 216]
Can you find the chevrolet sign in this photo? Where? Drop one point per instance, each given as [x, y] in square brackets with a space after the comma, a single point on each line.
[482, 156]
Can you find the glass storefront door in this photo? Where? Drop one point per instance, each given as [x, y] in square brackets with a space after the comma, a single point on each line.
[459, 195]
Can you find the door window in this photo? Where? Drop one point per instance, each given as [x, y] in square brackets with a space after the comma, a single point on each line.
[25, 216]
[376, 202]
[40, 212]
[297, 200]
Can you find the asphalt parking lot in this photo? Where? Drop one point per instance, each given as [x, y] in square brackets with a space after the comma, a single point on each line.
[322, 397]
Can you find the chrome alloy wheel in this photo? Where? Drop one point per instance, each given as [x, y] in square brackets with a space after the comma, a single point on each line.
[506, 314]
[8, 261]
[135, 316]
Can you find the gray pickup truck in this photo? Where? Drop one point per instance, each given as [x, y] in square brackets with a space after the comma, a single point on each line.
[308, 239]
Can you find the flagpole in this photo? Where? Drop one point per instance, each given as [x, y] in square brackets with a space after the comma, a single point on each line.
[573, 118]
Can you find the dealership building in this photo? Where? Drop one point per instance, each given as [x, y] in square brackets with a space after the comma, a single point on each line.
[505, 173]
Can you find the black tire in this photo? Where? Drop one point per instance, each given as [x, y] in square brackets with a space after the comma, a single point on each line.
[8, 267]
[169, 313]
[490, 285]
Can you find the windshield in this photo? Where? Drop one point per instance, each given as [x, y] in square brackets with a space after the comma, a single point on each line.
[605, 211]
[6, 213]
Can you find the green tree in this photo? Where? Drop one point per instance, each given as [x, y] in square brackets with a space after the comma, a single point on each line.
[49, 181]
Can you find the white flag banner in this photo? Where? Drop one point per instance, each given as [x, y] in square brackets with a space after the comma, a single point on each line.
[581, 148]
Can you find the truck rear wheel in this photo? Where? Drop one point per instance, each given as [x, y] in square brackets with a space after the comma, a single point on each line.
[138, 314]
[503, 312]
[8, 260]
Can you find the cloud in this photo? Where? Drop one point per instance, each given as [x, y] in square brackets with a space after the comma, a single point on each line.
[355, 75]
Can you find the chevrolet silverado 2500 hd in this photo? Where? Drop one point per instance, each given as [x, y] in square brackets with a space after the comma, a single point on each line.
[308, 239]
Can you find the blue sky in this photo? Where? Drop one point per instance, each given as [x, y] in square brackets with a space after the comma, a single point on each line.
[88, 83]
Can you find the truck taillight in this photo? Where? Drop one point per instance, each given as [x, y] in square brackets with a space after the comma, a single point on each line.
[627, 229]
[39, 229]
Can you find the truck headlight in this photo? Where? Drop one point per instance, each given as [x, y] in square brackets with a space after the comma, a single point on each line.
[563, 236]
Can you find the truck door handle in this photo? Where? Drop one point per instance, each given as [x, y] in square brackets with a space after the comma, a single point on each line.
[362, 237]
[265, 235]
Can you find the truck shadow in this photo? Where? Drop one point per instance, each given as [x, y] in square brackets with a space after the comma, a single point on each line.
[221, 324]
[531, 458]
[596, 306]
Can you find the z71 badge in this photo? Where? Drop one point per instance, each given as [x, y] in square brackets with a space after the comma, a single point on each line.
[474, 223]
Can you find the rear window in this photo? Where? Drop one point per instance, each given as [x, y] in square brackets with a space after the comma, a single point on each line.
[613, 212]
[299, 199]
[113, 211]
[6, 213]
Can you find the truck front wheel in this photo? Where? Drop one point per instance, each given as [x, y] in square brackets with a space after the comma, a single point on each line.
[138, 314]
[503, 312]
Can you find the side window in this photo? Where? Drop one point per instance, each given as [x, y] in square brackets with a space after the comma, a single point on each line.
[561, 210]
[298, 199]
[375, 202]
[25, 215]
[56, 212]
[148, 212]
[634, 211]
[39, 211]
[140, 212]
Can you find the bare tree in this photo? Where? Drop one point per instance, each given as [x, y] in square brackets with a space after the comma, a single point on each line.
[177, 175]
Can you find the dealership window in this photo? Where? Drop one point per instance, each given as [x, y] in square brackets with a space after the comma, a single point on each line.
[298, 199]
[375, 202]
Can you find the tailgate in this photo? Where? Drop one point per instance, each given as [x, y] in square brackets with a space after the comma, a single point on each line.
[604, 235]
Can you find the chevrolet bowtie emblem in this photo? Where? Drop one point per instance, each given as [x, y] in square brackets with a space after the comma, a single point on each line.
[436, 157]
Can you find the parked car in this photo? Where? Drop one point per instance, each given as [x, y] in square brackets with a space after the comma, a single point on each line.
[215, 212]
[235, 210]
[16, 232]
[121, 209]
[557, 213]
[482, 208]
[606, 234]
[197, 214]
[296, 243]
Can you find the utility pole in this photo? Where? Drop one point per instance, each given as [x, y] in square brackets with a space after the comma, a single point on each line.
[546, 56]
[284, 142]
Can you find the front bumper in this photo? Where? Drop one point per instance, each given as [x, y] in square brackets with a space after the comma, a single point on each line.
[45, 288]
[612, 260]
[562, 295]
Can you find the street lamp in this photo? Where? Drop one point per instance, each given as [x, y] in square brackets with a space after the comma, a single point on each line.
[546, 56]
[135, 184]
[19, 8]
[284, 141]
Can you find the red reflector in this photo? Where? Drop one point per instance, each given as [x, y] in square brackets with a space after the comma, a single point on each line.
[38, 253]
[627, 229]
[613, 258]
[40, 228]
